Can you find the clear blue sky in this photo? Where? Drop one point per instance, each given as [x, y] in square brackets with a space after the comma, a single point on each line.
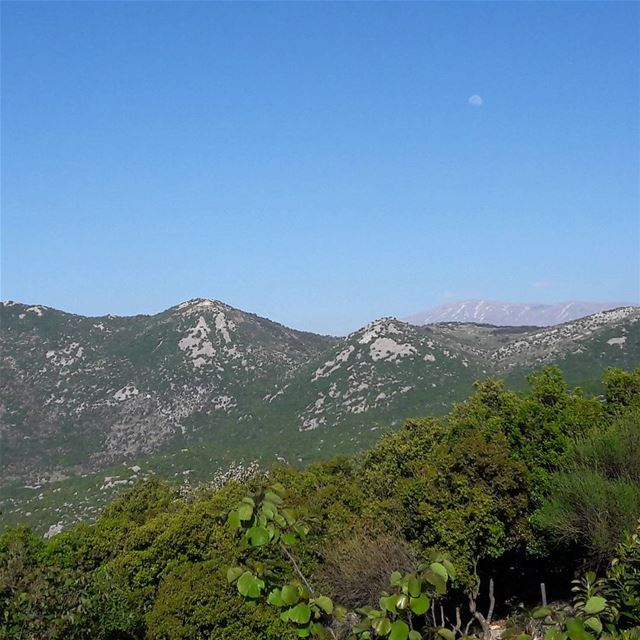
[319, 164]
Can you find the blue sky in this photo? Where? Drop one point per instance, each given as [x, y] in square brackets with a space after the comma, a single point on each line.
[319, 163]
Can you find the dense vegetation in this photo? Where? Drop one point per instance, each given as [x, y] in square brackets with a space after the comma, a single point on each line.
[508, 490]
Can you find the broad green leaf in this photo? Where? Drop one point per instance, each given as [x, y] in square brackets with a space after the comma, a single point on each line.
[419, 605]
[289, 515]
[576, 630]
[415, 586]
[594, 624]
[415, 635]
[249, 501]
[451, 570]
[325, 603]
[301, 613]
[249, 586]
[542, 612]
[233, 520]
[382, 626]
[279, 489]
[439, 569]
[271, 496]
[399, 630]
[595, 604]
[245, 511]
[394, 578]
[275, 598]
[402, 601]
[258, 536]
[437, 581]
[269, 513]
[388, 603]
[290, 594]
[445, 633]
[289, 538]
[233, 573]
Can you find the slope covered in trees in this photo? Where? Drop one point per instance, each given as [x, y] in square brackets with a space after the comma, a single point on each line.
[512, 488]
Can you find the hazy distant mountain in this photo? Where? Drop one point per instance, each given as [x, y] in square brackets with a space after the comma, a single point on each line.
[511, 314]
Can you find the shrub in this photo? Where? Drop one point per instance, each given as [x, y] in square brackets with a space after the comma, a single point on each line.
[357, 570]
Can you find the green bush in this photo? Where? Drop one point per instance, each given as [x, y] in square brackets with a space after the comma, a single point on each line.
[595, 499]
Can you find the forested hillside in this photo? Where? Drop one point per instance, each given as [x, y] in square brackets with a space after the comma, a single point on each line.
[435, 531]
[91, 405]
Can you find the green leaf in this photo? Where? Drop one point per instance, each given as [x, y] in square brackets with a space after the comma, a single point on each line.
[388, 603]
[437, 581]
[270, 496]
[325, 603]
[233, 520]
[258, 536]
[415, 635]
[290, 594]
[394, 578]
[419, 605]
[267, 512]
[439, 569]
[233, 573]
[415, 586]
[399, 631]
[245, 511]
[382, 626]
[289, 538]
[275, 598]
[249, 501]
[402, 601]
[289, 516]
[249, 586]
[594, 624]
[279, 489]
[445, 633]
[451, 570]
[595, 604]
[542, 612]
[301, 613]
[576, 630]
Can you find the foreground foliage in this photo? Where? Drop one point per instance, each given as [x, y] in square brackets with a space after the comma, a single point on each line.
[485, 496]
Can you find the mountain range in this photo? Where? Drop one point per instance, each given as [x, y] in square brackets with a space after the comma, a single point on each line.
[203, 387]
[511, 313]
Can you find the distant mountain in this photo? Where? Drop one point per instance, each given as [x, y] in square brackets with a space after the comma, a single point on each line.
[203, 386]
[511, 314]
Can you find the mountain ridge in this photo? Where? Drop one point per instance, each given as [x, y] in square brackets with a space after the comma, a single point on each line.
[203, 386]
[501, 313]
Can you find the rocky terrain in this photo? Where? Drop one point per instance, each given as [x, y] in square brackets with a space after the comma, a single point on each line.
[90, 404]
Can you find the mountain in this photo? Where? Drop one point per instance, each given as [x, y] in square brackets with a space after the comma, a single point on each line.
[79, 393]
[510, 313]
[88, 404]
